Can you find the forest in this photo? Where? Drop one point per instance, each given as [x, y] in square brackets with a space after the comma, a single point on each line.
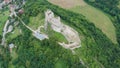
[97, 50]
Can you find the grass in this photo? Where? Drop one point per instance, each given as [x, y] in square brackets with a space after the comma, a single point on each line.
[37, 21]
[14, 34]
[3, 18]
[60, 64]
[58, 36]
[14, 55]
[100, 19]
[67, 3]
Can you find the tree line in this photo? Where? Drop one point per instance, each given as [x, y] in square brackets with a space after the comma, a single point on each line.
[110, 7]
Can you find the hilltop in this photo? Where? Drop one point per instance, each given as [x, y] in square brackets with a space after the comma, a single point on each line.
[58, 34]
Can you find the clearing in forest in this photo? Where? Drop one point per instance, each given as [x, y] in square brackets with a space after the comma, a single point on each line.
[100, 19]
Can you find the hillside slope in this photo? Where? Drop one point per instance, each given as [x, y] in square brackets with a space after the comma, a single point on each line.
[100, 19]
[96, 51]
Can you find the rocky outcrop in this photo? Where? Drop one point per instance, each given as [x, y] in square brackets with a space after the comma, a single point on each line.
[70, 34]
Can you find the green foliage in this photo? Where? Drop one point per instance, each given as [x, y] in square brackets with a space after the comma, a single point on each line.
[40, 54]
[3, 18]
[111, 8]
[4, 57]
[100, 19]
[96, 51]
[107, 54]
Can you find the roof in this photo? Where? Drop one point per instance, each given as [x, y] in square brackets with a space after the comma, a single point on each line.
[39, 36]
[11, 45]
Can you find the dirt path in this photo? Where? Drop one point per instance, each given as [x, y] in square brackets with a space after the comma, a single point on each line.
[4, 32]
[36, 33]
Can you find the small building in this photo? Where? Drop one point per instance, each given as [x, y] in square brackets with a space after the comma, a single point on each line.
[40, 36]
[21, 11]
[11, 46]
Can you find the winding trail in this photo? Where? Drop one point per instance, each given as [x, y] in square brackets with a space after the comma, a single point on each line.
[25, 24]
[36, 33]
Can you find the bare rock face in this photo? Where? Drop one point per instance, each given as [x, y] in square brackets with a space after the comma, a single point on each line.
[70, 34]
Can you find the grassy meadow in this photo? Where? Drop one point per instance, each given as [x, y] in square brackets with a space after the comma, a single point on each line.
[36, 21]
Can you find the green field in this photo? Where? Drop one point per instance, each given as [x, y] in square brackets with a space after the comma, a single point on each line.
[16, 32]
[3, 18]
[60, 64]
[37, 21]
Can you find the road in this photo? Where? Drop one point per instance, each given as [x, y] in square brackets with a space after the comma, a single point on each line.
[4, 32]
[25, 25]
[36, 33]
